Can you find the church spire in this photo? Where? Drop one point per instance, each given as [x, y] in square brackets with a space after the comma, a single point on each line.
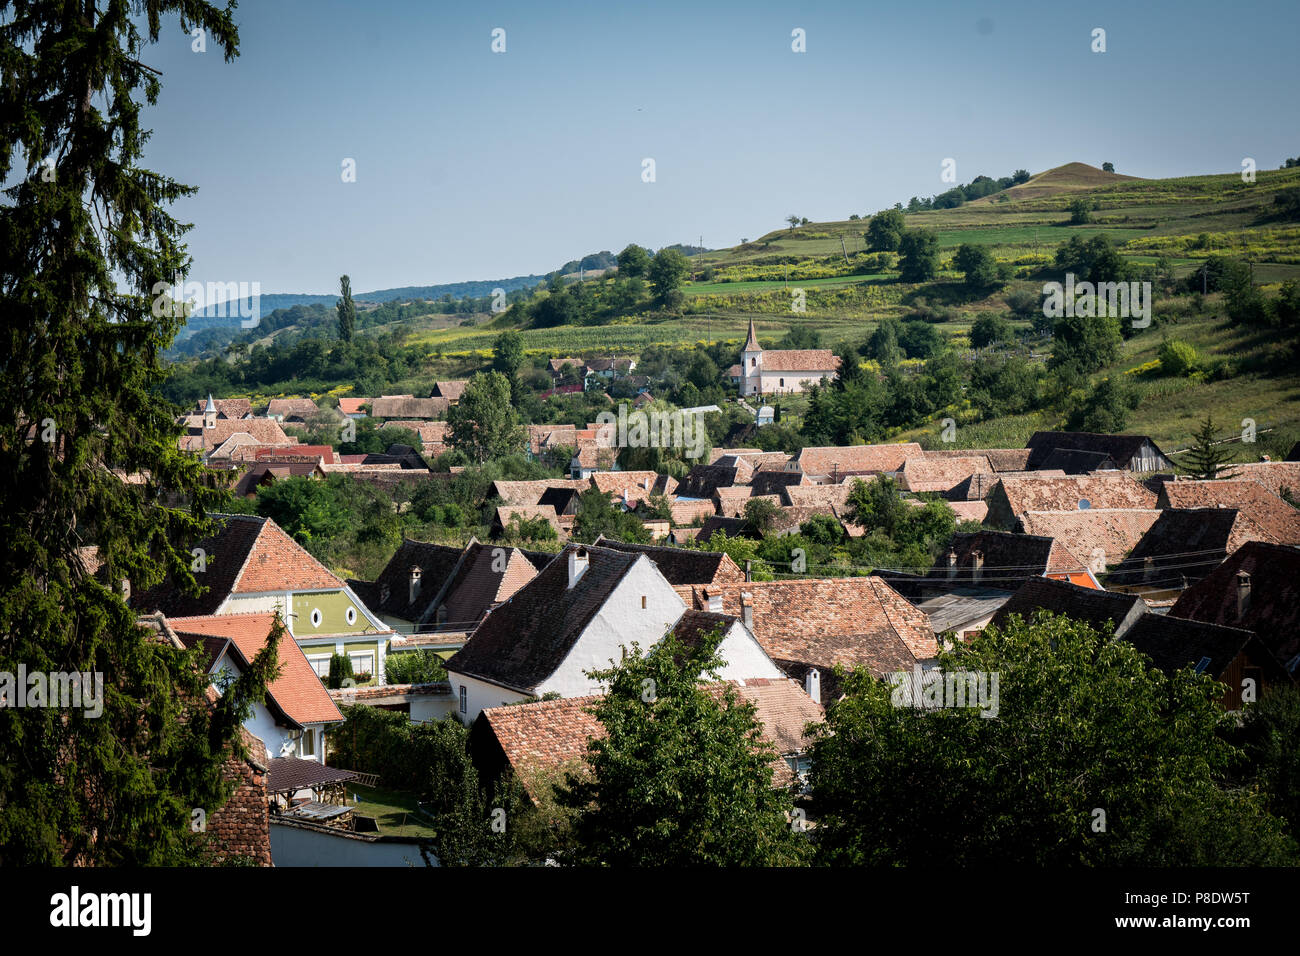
[751, 343]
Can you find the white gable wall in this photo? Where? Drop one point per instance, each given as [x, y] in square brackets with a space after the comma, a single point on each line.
[619, 622]
[744, 656]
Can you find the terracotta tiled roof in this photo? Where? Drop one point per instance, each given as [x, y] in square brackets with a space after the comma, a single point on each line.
[685, 511]
[297, 691]
[392, 589]
[1275, 516]
[855, 459]
[292, 407]
[717, 453]
[816, 496]
[239, 447]
[1065, 494]
[1272, 604]
[969, 510]
[1273, 475]
[829, 621]
[941, 474]
[247, 555]
[1002, 459]
[730, 501]
[1113, 531]
[1090, 605]
[226, 407]
[1009, 560]
[1173, 643]
[801, 360]
[352, 406]
[507, 513]
[265, 431]
[530, 492]
[452, 391]
[487, 576]
[1185, 544]
[548, 735]
[404, 406]
[634, 485]
[557, 364]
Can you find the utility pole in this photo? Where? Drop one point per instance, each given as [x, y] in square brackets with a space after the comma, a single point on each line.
[844, 250]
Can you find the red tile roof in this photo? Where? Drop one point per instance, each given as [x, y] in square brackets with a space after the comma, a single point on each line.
[1249, 496]
[829, 621]
[545, 736]
[844, 459]
[297, 691]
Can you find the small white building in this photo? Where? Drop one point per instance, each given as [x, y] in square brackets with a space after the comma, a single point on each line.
[580, 613]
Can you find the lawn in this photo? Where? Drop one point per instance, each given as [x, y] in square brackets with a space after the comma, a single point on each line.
[394, 811]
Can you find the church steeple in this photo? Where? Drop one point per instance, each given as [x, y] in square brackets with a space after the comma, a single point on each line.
[751, 343]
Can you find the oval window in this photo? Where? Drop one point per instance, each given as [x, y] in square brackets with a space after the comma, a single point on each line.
[315, 617]
[351, 615]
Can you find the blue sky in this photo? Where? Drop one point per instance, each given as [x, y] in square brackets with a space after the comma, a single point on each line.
[476, 165]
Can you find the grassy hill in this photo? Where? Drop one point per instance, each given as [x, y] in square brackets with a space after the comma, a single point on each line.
[848, 290]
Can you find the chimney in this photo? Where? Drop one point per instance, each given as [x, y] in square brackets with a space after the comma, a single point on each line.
[747, 610]
[714, 602]
[813, 685]
[1148, 567]
[977, 565]
[1243, 594]
[749, 571]
[415, 584]
[579, 561]
[952, 564]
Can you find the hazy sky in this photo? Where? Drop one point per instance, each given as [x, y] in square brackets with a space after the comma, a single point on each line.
[479, 165]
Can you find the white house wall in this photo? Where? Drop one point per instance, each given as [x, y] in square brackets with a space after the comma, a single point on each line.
[745, 657]
[620, 621]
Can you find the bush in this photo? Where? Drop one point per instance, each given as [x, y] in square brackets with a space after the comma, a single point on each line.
[340, 670]
[1178, 358]
[414, 667]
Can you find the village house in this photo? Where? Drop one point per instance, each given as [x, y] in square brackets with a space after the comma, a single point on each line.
[1101, 537]
[541, 740]
[451, 391]
[580, 612]
[1183, 546]
[443, 591]
[999, 559]
[832, 464]
[408, 407]
[783, 370]
[809, 625]
[291, 409]
[1136, 453]
[1256, 589]
[225, 408]
[1013, 496]
[298, 711]
[1263, 507]
[251, 566]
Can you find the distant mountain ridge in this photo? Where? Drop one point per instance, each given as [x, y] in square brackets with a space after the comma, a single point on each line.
[215, 316]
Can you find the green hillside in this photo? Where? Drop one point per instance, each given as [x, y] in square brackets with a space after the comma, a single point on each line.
[1165, 228]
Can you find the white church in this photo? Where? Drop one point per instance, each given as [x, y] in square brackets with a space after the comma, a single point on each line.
[764, 372]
